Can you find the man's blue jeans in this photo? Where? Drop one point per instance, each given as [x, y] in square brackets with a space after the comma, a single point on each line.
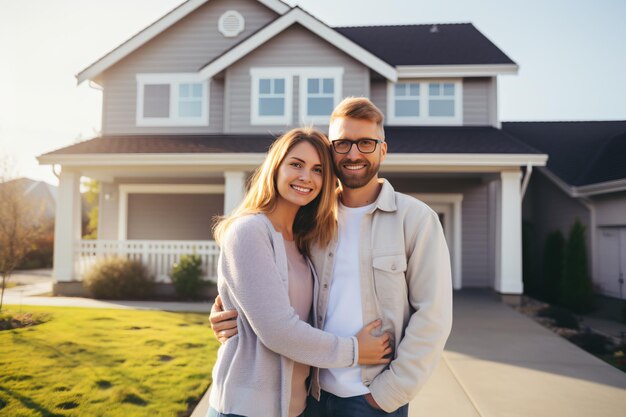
[332, 406]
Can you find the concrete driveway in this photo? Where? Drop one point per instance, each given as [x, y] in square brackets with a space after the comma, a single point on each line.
[500, 363]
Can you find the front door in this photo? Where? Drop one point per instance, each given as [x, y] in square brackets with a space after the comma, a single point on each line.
[612, 261]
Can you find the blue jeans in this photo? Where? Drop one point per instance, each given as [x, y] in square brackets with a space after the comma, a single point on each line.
[332, 406]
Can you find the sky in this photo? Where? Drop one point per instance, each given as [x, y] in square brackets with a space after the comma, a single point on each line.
[571, 54]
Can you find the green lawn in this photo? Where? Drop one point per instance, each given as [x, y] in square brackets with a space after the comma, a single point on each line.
[96, 362]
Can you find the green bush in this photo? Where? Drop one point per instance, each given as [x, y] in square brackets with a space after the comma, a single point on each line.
[553, 264]
[623, 311]
[576, 286]
[118, 279]
[187, 276]
[561, 317]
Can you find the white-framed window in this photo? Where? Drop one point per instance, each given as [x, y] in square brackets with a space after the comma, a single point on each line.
[172, 100]
[271, 97]
[320, 89]
[425, 102]
[320, 92]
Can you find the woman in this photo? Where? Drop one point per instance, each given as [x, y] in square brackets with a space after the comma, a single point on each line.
[264, 274]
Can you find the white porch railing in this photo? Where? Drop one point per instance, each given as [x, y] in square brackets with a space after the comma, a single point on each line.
[159, 256]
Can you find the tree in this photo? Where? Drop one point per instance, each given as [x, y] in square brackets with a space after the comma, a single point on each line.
[91, 199]
[577, 287]
[553, 265]
[19, 225]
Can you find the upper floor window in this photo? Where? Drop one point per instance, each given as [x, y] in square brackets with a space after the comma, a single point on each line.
[425, 102]
[272, 94]
[172, 100]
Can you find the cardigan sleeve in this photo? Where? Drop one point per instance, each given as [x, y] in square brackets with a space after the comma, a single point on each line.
[253, 281]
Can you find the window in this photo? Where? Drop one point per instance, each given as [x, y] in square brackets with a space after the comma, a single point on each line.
[425, 102]
[271, 96]
[172, 100]
[319, 91]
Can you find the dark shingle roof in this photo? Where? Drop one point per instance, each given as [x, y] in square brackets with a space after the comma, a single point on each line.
[449, 44]
[400, 140]
[580, 153]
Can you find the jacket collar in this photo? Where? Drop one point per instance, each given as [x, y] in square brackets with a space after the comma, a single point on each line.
[386, 200]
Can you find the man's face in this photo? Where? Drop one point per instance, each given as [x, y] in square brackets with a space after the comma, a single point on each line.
[356, 169]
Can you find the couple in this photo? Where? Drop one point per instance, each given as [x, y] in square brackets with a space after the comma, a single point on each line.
[367, 266]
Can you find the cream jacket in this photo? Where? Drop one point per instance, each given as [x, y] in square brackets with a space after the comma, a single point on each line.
[405, 281]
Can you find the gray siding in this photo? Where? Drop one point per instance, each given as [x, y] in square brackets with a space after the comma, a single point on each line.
[295, 47]
[477, 268]
[108, 212]
[476, 101]
[173, 216]
[378, 91]
[550, 209]
[185, 47]
[611, 209]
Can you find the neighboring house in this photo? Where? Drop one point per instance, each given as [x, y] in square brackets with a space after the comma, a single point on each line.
[585, 179]
[191, 103]
[38, 193]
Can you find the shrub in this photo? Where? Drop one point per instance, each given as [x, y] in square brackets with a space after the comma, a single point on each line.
[41, 254]
[561, 317]
[577, 288]
[553, 266]
[593, 343]
[118, 278]
[187, 276]
[623, 311]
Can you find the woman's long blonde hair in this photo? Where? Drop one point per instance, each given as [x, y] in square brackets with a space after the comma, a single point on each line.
[314, 223]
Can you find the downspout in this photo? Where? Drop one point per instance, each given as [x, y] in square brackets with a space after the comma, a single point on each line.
[529, 171]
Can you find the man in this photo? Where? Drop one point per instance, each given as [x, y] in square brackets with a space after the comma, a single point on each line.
[390, 262]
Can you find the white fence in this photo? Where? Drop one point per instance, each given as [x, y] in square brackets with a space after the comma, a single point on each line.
[159, 256]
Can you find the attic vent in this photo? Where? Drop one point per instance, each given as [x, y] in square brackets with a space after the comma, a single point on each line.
[231, 24]
[434, 29]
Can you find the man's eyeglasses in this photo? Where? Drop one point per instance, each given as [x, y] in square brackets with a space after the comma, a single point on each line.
[364, 145]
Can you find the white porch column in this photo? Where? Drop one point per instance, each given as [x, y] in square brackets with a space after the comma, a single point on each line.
[509, 235]
[235, 185]
[67, 226]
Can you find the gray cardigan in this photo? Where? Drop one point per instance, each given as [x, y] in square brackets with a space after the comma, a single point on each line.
[252, 375]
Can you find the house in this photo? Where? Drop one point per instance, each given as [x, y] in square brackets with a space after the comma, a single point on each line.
[585, 180]
[41, 195]
[191, 103]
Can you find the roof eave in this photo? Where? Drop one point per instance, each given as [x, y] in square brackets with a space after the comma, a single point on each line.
[125, 49]
[479, 70]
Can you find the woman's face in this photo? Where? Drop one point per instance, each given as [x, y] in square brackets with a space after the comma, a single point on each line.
[299, 177]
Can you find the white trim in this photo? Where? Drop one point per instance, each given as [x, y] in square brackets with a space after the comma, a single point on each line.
[227, 32]
[320, 29]
[401, 160]
[418, 71]
[154, 30]
[67, 225]
[256, 75]
[125, 189]
[424, 119]
[454, 234]
[235, 190]
[336, 73]
[585, 190]
[174, 80]
[509, 238]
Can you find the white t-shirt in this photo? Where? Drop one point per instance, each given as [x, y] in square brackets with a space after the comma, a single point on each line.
[345, 314]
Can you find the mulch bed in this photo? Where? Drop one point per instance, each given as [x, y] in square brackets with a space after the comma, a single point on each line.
[9, 321]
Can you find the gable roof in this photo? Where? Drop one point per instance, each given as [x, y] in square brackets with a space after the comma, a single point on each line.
[152, 31]
[581, 153]
[297, 15]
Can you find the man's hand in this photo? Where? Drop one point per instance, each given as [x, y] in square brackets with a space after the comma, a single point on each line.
[223, 323]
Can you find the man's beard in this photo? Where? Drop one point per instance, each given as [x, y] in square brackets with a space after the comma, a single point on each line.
[356, 180]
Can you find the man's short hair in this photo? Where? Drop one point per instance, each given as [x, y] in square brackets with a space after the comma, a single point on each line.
[360, 108]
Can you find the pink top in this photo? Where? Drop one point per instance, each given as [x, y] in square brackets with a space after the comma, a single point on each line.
[301, 297]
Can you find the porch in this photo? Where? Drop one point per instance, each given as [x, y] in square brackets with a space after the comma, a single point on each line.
[159, 257]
